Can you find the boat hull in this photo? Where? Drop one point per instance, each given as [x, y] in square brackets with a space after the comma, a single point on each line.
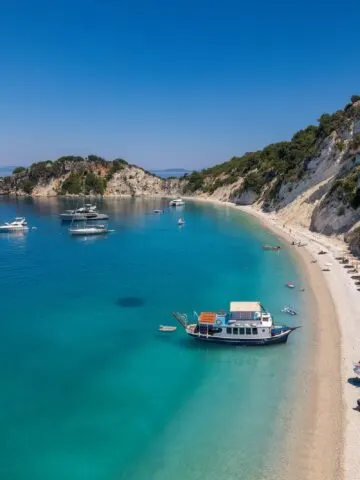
[69, 217]
[87, 233]
[276, 339]
[13, 229]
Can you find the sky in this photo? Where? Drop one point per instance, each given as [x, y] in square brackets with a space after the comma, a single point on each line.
[166, 84]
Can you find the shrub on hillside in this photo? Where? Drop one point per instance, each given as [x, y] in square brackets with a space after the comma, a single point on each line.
[18, 170]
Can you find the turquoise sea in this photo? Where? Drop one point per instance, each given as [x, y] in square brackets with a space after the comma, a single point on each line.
[91, 390]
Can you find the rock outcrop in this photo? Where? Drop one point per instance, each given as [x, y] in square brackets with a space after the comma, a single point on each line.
[313, 180]
[93, 176]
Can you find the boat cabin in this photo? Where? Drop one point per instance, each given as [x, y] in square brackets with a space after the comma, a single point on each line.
[244, 320]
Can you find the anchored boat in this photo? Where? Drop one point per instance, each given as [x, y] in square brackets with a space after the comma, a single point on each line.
[271, 247]
[18, 225]
[289, 310]
[177, 202]
[87, 212]
[247, 323]
[88, 230]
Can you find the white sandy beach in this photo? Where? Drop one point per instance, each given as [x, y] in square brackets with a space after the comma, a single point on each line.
[327, 444]
[346, 300]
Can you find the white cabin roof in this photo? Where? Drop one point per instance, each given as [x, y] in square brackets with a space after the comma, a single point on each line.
[245, 307]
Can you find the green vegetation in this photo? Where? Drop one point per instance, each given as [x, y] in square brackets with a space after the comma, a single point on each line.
[94, 184]
[284, 160]
[116, 166]
[355, 142]
[80, 182]
[18, 170]
[73, 185]
[27, 186]
[347, 190]
[353, 239]
[265, 171]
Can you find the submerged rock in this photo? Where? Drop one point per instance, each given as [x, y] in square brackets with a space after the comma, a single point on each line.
[130, 302]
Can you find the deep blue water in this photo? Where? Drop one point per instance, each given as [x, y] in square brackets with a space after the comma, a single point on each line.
[91, 390]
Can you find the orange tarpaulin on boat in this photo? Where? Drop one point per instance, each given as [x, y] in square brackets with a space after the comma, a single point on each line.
[207, 317]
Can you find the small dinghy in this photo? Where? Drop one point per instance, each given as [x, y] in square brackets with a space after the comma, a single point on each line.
[158, 211]
[167, 328]
[289, 310]
[181, 221]
[290, 285]
[271, 247]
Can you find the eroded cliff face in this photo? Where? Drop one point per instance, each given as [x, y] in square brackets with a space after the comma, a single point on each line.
[133, 181]
[312, 180]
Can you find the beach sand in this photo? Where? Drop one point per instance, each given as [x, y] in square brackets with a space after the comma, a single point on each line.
[324, 436]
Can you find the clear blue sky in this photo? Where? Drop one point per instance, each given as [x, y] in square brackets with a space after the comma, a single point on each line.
[169, 83]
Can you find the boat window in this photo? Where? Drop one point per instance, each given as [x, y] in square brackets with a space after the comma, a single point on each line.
[228, 330]
[248, 331]
[254, 331]
[235, 331]
[263, 330]
[241, 331]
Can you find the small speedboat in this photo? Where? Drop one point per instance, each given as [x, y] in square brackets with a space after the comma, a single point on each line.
[176, 202]
[17, 225]
[89, 230]
[167, 328]
[181, 221]
[289, 310]
[290, 285]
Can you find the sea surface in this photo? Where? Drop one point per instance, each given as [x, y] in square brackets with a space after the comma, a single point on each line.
[91, 390]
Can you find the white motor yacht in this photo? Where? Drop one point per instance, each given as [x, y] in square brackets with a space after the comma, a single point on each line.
[17, 225]
[176, 202]
[87, 212]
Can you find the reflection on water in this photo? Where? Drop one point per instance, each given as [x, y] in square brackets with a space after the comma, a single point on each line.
[15, 237]
[88, 239]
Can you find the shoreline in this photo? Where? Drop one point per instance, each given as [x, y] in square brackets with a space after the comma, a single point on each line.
[323, 439]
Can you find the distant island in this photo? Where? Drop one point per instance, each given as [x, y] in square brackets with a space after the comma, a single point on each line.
[6, 170]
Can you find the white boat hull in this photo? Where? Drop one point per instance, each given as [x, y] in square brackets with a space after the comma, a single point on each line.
[87, 231]
[77, 217]
[279, 338]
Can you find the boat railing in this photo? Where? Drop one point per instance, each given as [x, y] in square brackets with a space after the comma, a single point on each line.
[181, 318]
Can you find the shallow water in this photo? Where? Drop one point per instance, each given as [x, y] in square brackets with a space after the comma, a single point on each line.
[91, 390]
